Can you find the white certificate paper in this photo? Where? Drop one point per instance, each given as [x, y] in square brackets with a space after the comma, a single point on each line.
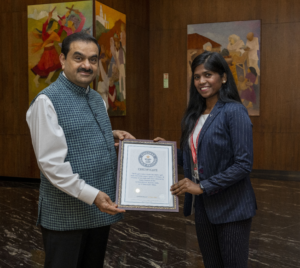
[147, 173]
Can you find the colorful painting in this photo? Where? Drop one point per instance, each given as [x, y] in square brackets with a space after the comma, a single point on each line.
[111, 35]
[48, 25]
[239, 43]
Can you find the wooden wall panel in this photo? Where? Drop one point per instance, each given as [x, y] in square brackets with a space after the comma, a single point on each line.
[16, 154]
[276, 131]
[166, 103]
[137, 86]
[156, 36]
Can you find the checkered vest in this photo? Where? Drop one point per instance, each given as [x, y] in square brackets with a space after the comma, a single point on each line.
[91, 154]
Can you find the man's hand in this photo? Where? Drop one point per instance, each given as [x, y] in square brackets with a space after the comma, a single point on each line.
[104, 203]
[186, 186]
[121, 135]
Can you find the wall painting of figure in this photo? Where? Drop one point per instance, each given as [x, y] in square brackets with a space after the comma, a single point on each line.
[48, 25]
[111, 35]
[239, 43]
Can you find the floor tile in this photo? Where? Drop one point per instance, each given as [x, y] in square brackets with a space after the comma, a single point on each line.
[154, 239]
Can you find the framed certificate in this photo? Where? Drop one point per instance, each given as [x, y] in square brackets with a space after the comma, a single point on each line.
[146, 171]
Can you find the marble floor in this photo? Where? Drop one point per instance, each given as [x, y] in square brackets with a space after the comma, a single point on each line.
[146, 239]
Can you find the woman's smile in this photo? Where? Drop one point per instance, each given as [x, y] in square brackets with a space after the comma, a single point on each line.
[207, 83]
[204, 88]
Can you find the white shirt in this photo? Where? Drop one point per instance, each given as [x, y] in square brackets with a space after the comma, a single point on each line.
[198, 128]
[50, 148]
[254, 46]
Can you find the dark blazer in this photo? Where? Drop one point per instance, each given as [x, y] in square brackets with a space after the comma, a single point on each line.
[225, 158]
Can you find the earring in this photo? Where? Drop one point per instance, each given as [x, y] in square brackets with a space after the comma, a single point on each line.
[224, 82]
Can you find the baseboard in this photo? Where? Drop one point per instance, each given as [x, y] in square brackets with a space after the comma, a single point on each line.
[256, 173]
[281, 175]
[17, 179]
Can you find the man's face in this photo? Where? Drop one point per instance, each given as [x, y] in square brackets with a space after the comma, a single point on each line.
[81, 64]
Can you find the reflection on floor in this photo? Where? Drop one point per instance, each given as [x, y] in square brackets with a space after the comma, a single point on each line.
[146, 239]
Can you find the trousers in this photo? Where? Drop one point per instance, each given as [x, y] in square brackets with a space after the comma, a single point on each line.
[75, 249]
[222, 245]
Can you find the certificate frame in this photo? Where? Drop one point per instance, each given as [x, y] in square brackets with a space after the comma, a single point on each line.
[124, 146]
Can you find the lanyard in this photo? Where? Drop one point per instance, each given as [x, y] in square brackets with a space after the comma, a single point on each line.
[193, 149]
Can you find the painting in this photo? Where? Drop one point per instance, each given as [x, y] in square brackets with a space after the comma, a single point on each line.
[110, 28]
[239, 44]
[48, 25]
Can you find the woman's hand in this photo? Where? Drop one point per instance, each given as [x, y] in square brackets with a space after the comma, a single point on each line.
[159, 139]
[186, 186]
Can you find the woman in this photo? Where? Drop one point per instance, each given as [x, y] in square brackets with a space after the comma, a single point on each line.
[49, 61]
[216, 155]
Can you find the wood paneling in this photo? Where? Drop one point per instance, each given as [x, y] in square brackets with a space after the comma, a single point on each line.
[16, 154]
[276, 131]
[156, 36]
[137, 84]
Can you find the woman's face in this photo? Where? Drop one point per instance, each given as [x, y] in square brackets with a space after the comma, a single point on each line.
[208, 83]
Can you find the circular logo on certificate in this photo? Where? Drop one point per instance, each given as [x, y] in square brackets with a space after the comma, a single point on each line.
[148, 159]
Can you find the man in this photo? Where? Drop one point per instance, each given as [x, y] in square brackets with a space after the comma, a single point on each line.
[252, 46]
[74, 147]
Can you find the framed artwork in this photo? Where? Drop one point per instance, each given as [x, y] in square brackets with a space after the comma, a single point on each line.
[48, 25]
[110, 26]
[239, 42]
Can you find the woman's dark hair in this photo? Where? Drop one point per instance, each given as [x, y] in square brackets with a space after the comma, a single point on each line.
[252, 70]
[81, 36]
[214, 62]
[50, 25]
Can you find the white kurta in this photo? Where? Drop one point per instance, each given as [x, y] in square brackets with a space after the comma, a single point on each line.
[254, 47]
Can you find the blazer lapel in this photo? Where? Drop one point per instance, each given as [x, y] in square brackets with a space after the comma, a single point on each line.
[213, 114]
